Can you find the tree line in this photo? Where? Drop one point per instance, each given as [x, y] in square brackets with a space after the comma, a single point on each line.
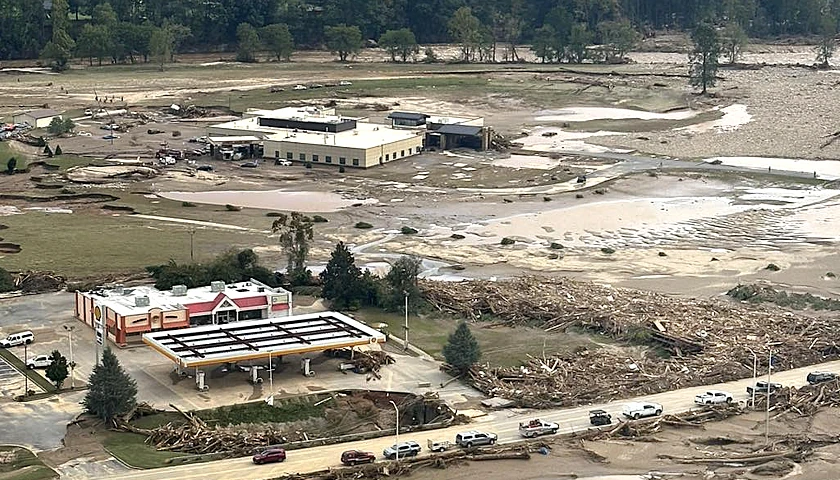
[137, 30]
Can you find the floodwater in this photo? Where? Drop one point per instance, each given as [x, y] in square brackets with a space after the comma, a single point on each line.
[734, 116]
[554, 139]
[585, 114]
[306, 202]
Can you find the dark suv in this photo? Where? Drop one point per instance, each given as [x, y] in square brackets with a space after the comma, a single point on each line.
[820, 377]
[270, 455]
[352, 457]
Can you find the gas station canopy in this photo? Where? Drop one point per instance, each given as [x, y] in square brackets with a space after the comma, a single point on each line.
[252, 339]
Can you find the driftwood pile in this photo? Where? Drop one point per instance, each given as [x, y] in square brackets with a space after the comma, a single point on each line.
[372, 361]
[695, 341]
[38, 282]
[640, 428]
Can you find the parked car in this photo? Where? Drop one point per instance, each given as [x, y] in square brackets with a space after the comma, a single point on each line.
[404, 449]
[344, 83]
[439, 446]
[299, 87]
[713, 397]
[285, 163]
[475, 438]
[537, 427]
[352, 457]
[249, 165]
[15, 339]
[637, 410]
[41, 361]
[599, 418]
[83, 134]
[205, 168]
[820, 377]
[111, 137]
[763, 388]
[270, 455]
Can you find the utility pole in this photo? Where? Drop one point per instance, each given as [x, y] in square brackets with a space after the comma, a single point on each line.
[192, 251]
[70, 329]
[405, 346]
[397, 451]
[755, 375]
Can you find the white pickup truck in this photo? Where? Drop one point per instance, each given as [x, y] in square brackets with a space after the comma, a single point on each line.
[537, 427]
[637, 410]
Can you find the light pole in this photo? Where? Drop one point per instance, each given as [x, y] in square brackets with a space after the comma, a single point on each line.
[26, 374]
[755, 375]
[767, 411]
[405, 347]
[70, 329]
[192, 251]
[397, 450]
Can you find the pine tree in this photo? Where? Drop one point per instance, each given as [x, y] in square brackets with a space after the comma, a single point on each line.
[111, 392]
[342, 279]
[461, 350]
[57, 370]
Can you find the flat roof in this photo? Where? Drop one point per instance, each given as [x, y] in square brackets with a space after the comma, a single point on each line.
[364, 136]
[408, 115]
[458, 130]
[234, 139]
[43, 113]
[252, 339]
[123, 301]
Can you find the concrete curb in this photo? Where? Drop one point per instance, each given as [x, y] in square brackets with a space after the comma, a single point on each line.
[412, 348]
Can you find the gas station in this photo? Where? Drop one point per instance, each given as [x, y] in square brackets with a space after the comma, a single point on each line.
[267, 339]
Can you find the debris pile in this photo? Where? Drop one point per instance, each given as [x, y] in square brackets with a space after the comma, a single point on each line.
[38, 282]
[695, 341]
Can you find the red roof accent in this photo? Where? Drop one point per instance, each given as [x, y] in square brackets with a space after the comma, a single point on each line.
[251, 302]
[279, 306]
[205, 307]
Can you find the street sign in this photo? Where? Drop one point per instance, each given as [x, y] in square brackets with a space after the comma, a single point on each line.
[98, 325]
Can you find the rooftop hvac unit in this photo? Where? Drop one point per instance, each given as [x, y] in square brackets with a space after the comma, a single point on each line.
[217, 286]
[118, 289]
[179, 290]
[141, 301]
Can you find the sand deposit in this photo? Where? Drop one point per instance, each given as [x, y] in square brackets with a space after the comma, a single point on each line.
[308, 202]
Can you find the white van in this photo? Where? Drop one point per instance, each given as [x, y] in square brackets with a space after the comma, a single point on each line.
[16, 339]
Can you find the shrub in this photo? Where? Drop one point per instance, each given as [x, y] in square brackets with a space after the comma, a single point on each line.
[232, 208]
[556, 246]
[67, 191]
[830, 275]
[508, 241]
[363, 225]
[663, 254]
[176, 133]
[187, 204]
[579, 195]
[341, 169]
[273, 214]
[553, 256]
[308, 165]
[58, 150]
[772, 267]
[607, 250]
[319, 219]
[457, 236]
[408, 231]
[546, 199]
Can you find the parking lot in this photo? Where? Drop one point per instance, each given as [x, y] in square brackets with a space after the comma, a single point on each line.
[159, 384]
[12, 382]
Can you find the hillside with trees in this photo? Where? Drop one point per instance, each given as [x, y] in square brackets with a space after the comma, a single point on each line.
[128, 31]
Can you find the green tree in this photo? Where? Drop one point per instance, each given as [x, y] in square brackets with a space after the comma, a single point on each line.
[733, 41]
[703, 59]
[11, 165]
[400, 281]
[543, 44]
[58, 51]
[111, 391]
[400, 43]
[618, 38]
[161, 45]
[466, 30]
[827, 43]
[580, 38]
[341, 279]
[105, 21]
[57, 370]
[295, 233]
[278, 40]
[461, 350]
[93, 43]
[249, 43]
[343, 40]
[7, 282]
[59, 126]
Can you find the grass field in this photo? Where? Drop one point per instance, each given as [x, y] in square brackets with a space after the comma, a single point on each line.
[18, 463]
[503, 346]
[132, 449]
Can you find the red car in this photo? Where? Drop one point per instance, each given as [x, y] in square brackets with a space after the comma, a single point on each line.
[270, 455]
[352, 457]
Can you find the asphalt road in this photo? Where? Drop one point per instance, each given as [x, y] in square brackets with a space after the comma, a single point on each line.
[503, 423]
